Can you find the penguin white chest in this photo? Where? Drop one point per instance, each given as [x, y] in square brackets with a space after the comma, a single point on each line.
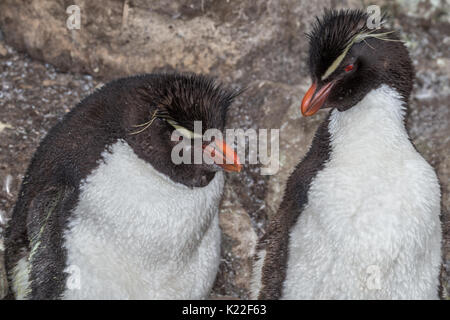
[135, 234]
[371, 227]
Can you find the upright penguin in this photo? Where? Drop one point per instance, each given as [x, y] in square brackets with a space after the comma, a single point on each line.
[104, 212]
[360, 214]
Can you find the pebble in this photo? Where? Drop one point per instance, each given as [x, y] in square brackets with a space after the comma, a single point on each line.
[3, 50]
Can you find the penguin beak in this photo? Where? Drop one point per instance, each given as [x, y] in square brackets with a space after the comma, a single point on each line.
[314, 99]
[223, 155]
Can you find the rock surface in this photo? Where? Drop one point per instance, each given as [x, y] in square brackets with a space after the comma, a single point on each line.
[255, 44]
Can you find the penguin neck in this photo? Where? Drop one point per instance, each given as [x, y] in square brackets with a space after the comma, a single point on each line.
[372, 129]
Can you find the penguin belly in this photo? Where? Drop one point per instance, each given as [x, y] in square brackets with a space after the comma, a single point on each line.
[136, 234]
[371, 227]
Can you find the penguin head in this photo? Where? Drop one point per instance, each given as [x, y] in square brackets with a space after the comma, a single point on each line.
[181, 108]
[347, 60]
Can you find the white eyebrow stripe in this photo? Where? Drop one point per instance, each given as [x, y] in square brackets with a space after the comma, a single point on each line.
[337, 62]
[183, 131]
[356, 39]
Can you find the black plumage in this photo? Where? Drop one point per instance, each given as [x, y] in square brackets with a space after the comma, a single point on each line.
[375, 60]
[329, 36]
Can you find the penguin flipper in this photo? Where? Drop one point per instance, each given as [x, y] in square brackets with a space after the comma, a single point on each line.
[41, 273]
[273, 271]
[276, 242]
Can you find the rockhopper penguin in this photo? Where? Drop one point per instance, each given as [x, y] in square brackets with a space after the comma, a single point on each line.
[103, 212]
[360, 214]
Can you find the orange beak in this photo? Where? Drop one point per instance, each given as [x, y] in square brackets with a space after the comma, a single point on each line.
[314, 100]
[223, 155]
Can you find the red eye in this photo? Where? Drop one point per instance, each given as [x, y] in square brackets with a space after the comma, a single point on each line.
[349, 68]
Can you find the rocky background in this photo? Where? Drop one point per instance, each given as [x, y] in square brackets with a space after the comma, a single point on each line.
[45, 69]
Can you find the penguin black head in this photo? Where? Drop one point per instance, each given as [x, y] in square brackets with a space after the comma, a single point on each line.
[347, 60]
[168, 102]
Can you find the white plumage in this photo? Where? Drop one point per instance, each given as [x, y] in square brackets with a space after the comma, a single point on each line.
[135, 234]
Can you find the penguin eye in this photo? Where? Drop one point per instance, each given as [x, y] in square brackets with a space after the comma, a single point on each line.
[349, 68]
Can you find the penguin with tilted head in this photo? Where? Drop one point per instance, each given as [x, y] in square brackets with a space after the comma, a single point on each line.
[105, 213]
[360, 217]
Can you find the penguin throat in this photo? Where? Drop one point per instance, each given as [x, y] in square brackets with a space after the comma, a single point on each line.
[374, 125]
